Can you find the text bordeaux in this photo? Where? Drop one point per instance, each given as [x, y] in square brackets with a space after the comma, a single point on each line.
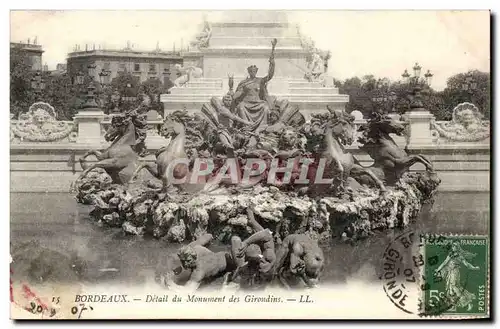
[101, 298]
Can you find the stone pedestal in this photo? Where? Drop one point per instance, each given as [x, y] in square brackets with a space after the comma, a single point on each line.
[419, 128]
[89, 126]
[243, 38]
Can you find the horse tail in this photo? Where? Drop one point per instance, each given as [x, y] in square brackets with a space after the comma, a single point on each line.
[425, 158]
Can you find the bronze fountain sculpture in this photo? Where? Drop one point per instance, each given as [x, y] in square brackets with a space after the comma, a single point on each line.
[250, 171]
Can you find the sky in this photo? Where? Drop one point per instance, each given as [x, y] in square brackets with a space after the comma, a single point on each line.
[382, 43]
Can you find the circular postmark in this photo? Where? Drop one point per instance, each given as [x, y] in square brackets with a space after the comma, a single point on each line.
[408, 276]
[399, 276]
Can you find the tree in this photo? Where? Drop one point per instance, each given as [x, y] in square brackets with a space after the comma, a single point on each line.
[62, 94]
[359, 95]
[21, 96]
[127, 85]
[435, 104]
[59, 90]
[478, 91]
[402, 102]
[154, 88]
[362, 90]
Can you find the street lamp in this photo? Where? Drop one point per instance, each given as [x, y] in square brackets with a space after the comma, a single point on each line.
[415, 85]
[90, 101]
[416, 70]
[91, 70]
[428, 77]
[79, 78]
[104, 77]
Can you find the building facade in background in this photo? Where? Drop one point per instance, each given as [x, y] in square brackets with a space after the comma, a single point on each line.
[33, 51]
[142, 64]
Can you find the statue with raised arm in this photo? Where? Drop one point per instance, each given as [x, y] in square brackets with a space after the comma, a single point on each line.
[250, 101]
[220, 117]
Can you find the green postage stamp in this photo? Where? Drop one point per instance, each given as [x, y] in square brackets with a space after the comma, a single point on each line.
[455, 276]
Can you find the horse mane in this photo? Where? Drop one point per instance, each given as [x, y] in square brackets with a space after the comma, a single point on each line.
[194, 126]
[181, 116]
[119, 119]
[122, 120]
[332, 116]
[370, 130]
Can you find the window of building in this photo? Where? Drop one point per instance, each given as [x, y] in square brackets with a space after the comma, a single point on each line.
[152, 67]
[137, 67]
[121, 67]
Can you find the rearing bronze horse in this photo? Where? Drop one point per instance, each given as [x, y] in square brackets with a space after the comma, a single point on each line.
[173, 127]
[331, 132]
[390, 161]
[119, 155]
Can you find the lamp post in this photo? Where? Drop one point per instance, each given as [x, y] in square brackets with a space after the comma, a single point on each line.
[416, 85]
[79, 78]
[90, 115]
[104, 77]
[419, 119]
[90, 98]
[104, 84]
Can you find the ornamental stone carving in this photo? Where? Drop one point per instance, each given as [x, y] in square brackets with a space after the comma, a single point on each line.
[40, 124]
[466, 125]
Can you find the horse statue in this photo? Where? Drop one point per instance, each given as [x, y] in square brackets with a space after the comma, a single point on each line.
[390, 161]
[119, 155]
[327, 134]
[172, 129]
[176, 126]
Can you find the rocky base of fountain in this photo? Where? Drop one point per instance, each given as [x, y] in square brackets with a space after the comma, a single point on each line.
[142, 210]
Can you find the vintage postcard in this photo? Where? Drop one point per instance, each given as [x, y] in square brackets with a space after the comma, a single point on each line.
[257, 164]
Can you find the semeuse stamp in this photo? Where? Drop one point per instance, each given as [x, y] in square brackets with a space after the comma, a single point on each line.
[456, 276]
